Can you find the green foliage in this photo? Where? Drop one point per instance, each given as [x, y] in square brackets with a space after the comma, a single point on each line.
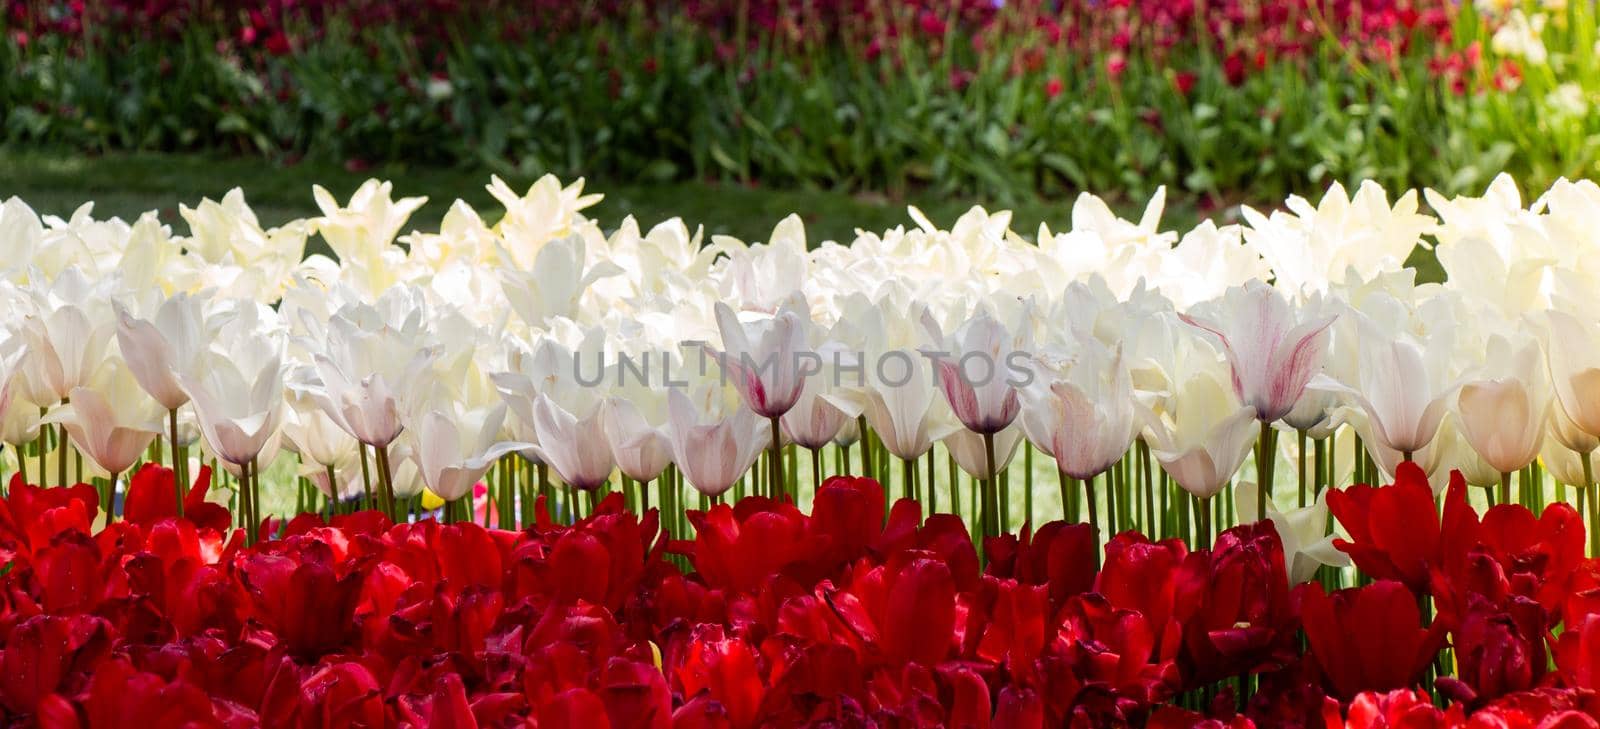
[646, 99]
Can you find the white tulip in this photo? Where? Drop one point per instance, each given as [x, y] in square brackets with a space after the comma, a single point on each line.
[713, 441]
[170, 342]
[110, 419]
[1504, 415]
[456, 447]
[1203, 436]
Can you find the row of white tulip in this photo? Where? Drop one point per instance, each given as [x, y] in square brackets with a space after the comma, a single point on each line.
[441, 352]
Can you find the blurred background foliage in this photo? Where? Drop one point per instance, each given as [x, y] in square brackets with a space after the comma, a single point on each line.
[1005, 101]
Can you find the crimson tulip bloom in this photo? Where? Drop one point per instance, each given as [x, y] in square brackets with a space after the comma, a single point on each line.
[1234, 605]
[1578, 653]
[1368, 638]
[1408, 708]
[1394, 530]
[1498, 651]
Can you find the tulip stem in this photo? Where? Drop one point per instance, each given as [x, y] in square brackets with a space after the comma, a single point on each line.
[43, 433]
[775, 461]
[906, 471]
[1505, 488]
[247, 491]
[816, 471]
[1266, 460]
[991, 491]
[387, 487]
[366, 475]
[1150, 488]
[61, 454]
[955, 487]
[177, 476]
[866, 447]
[1094, 518]
[1594, 504]
[1066, 494]
[111, 499]
[1301, 452]
[1204, 537]
[1027, 482]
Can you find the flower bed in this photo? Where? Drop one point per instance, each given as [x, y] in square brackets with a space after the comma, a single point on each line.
[536, 469]
[846, 616]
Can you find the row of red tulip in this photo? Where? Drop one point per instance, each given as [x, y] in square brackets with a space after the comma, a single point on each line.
[846, 617]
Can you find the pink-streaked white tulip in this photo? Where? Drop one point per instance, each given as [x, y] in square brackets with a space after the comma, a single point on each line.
[767, 358]
[640, 449]
[1271, 350]
[979, 368]
[574, 444]
[714, 441]
[1082, 412]
[1403, 387]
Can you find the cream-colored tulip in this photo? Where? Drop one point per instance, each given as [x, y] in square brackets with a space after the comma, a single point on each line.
[111, 420]
[1504, 416]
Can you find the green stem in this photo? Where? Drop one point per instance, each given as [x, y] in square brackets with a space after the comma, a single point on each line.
[907, 469]
[61, 455]
[1094, 518]
[387, 486]
[991, 495]
[1301, 435]
[178, 486]
[111, 500]
[366, 476]
[1594, 504]
[775, 460]
[1266, 460]
[816, 471]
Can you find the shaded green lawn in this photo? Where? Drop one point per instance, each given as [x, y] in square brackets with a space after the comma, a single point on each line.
[126, 185]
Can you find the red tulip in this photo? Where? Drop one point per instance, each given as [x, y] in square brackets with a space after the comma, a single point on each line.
[741, 548]
[1397, 709]
[1234, 605]
[1394, 530]
[303, 600]
[152, 496]
[1141, 575]
[40, 653]
[30, 516]
[846, 519]
[1538, 554]
[1059, 556]
[725, 669]
[1498, 651]
[906, 609]
[635, 695]
[1368, 638]
[120, 695]
[338, 694]
[1578, 653]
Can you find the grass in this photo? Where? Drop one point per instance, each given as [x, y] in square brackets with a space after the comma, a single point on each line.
[126, 185]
